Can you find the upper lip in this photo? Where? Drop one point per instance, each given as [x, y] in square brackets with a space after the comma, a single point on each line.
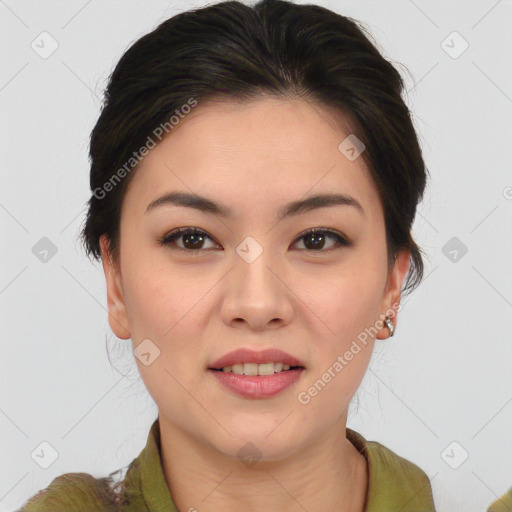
[247, 355]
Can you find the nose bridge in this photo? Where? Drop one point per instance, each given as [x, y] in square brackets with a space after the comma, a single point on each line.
[253, 264]
[256, 293]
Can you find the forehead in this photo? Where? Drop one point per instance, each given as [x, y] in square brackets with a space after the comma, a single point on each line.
[256, 153]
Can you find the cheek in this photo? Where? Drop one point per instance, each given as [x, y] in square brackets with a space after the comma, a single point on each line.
[150, 307]
[156, 299]
[348, 352]
[349, 306]
[355, 305]
[349, 299]
[162, 310]
[166, 309]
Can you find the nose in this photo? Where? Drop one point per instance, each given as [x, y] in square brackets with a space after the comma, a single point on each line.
[257, 295]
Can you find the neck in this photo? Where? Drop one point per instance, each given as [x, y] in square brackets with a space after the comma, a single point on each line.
[329, 475]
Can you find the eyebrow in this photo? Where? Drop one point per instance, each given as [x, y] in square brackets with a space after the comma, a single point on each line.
[209, 206]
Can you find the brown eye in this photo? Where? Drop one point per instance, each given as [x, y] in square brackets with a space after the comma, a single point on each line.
[192, 239]
[314, 239]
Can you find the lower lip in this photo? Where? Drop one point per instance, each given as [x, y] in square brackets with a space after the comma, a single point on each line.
[258, 386]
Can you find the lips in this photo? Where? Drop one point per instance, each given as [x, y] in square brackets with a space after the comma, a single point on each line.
[245, 355]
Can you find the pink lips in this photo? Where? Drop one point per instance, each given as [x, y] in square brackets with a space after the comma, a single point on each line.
[245, 355]
[257, 386]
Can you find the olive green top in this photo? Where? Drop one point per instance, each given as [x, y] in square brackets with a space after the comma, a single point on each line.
[503, 504]
[394, 484]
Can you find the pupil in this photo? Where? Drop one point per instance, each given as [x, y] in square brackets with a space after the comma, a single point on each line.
[196, 240]
[314, 245]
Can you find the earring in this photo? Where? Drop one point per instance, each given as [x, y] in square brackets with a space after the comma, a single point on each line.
[390, 326]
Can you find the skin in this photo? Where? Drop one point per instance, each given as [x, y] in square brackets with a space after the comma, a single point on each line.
[254, 158]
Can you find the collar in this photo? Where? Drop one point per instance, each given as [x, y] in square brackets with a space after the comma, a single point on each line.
[394, 483]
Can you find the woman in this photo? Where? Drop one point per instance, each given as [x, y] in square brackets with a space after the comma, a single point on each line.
[255, 175]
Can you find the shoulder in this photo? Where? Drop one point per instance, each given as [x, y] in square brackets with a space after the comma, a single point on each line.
[76, 492]
[503, 504]
[394, 483]
[394, 465]
[385, 463]
[391, 471]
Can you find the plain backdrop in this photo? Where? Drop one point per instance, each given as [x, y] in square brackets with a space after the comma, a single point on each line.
[439, 393]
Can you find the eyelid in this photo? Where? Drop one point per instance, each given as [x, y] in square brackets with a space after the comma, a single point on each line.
[342, 240]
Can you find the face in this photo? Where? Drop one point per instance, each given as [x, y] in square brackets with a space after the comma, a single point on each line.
[253, 279]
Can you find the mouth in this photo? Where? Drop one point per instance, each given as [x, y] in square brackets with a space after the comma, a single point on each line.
[252, 374]
[254, 369]
[245, 361]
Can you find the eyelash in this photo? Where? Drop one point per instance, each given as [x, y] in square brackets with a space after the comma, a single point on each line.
[169, 238]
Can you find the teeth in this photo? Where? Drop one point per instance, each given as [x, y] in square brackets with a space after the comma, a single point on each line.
[256, 369]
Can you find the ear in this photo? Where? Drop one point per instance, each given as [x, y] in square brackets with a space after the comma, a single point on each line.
[117, 316]
[393, 290]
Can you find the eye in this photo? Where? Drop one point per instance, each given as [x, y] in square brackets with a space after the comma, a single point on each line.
[194, 238]
[315, 239]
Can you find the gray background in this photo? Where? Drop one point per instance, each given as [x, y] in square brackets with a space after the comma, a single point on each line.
[446, 375]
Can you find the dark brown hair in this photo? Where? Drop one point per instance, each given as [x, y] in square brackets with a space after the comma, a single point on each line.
[239, 52]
